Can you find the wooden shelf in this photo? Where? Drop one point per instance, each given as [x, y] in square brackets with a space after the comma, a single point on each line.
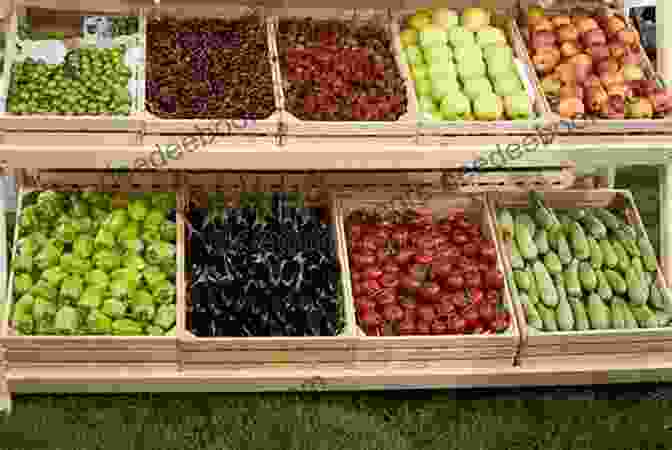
[568, 370]
[301, 154]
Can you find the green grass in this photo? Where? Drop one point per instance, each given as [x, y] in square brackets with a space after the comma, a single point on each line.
[329, 421]
[431, 420]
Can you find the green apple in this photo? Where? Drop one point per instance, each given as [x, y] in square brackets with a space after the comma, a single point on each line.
[502, 51]
[443, 89]
[488, 107]
[419, 72]
[414, 56]
[420, 20]
[499, 67]
[426, 104]
[490, 36]
[508, 85]
[423, 87]
[444, 71]
[455, 107]
[517, 106]
[471, 68]
[445, 18]
[469, 52]
[408, 37]
[432, 36]
[460, 37]
[477, 86]
[438, 55]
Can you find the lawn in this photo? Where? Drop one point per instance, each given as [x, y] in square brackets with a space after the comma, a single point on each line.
[610, 417]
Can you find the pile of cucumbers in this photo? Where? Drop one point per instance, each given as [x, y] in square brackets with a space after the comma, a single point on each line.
[582, 269]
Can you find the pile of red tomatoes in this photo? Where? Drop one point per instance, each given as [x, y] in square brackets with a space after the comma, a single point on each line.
[418, 275]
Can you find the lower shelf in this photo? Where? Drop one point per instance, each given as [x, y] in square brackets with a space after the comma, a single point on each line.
[578, 370]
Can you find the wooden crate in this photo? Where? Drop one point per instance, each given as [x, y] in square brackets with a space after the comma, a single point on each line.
[502, 19]
[577, 346]
[595, 125]
[161, 128]
[404, 126]
[57, 354]
[55, 129]
[459, 351]
[223, 354]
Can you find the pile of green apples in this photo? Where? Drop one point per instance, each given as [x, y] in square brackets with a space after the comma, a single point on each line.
[463, 67]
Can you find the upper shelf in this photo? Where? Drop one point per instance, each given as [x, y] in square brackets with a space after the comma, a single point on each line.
[316, 154]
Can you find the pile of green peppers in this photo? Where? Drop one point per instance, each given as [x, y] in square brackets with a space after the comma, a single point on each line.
[90, 263]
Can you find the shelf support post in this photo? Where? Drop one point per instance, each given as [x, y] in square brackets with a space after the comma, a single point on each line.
[664, 63]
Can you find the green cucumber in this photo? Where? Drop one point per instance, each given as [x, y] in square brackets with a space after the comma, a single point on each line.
[603, 287]
[541, 241]
[656, 298]
[610, 220]
[630, 321]
[544, 284]
[623, 258]
[526, 246]
[617, 317]
[548, 317]
[587, 276]
[552, 263]
[564, 316]
[663, 318]
[572, 282]
[522, 279]
[579, 241]
[648, 254]
[581, 322]
[598, 312]
[616, 282]
[644, 316]
[594, 226]
[596, 257]
[517, 261]
[525, 220]
[532, 315]
[608, 254]
[637, 293]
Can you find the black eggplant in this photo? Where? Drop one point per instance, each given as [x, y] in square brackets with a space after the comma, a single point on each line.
[263, 274]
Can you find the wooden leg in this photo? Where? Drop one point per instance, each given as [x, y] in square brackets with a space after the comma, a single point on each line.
[665, 192]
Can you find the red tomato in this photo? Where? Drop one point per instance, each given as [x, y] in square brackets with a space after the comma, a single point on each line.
[439, 327]
[489, 251]
[370, 244]
[425, 313]
[393, 312]
[461, 222]
[444, 309]
[492, 297]
[391, 268]
[371, 319]
[429, 292]
[407, 327]
[473, 280]
[403, 257]
[459, 325]
[422, 327]
[390, 280]
[373, 273]
[422, 258]
[362, 260]
[459, 299]
[473, 231]
[372, 285]
[410, 283]
[471, 249]
[441, 268]
[410, 315]
[460, 238]
[494, 279]
[424, 212]
[488, 312]
[357, 276]
[450, 253]
[475, 296]
[470, 313]
[358, 289]
[385, 297]
[454, 282]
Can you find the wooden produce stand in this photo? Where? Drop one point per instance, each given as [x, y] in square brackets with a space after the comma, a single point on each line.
[283, 153]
